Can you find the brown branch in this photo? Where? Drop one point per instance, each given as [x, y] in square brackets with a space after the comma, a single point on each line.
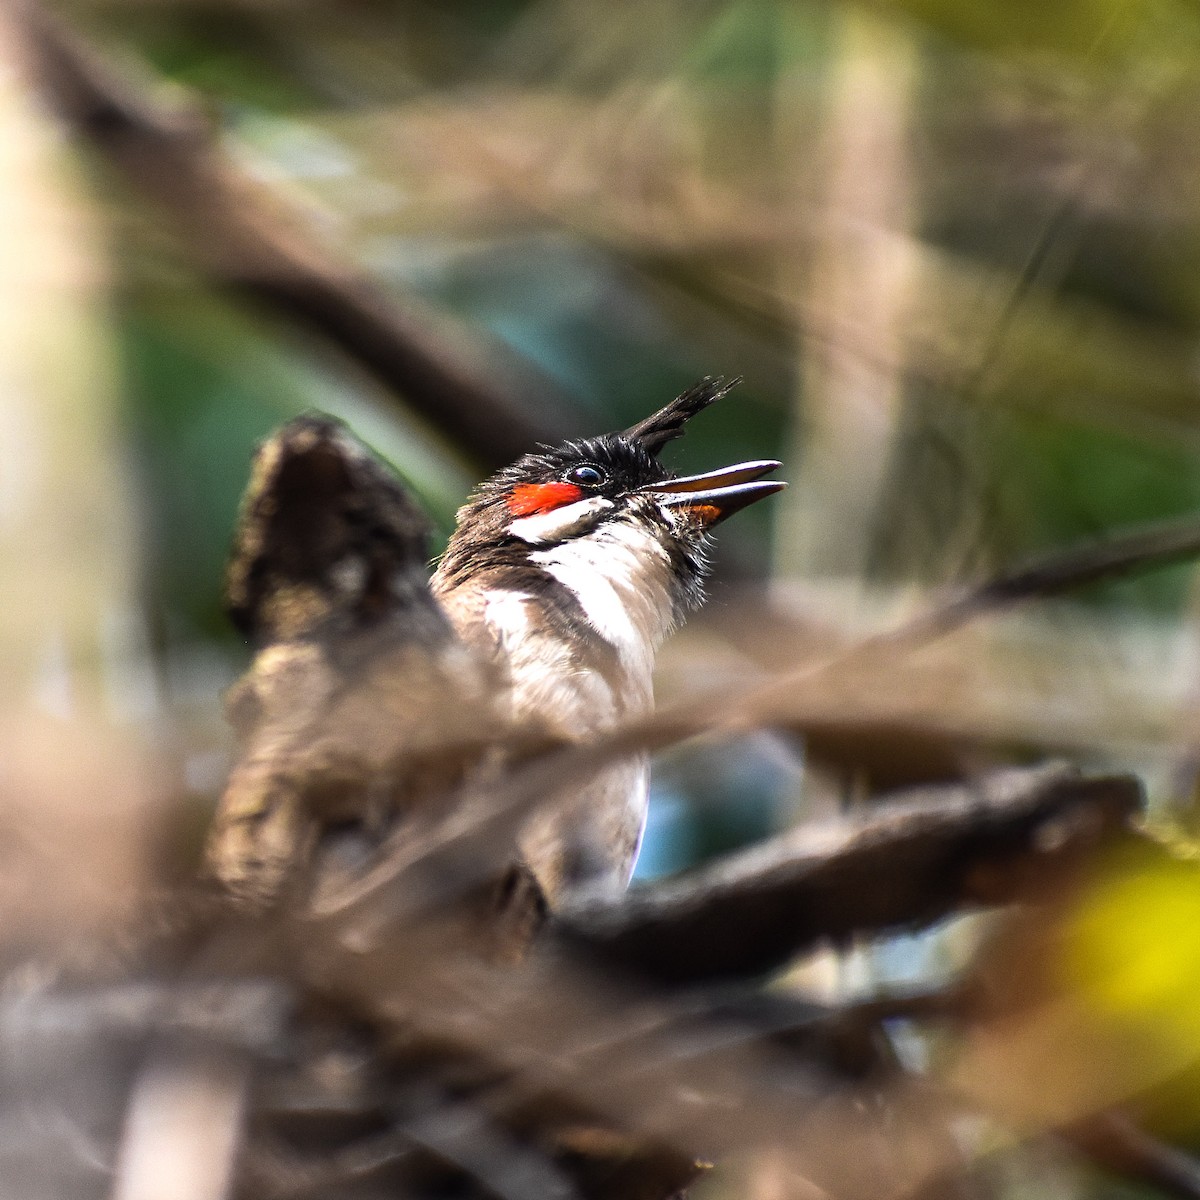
[243, 237]
[560, 1030]
[1114, 1142]
[908, 863]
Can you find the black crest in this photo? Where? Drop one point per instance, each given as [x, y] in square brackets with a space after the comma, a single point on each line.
[667, 424]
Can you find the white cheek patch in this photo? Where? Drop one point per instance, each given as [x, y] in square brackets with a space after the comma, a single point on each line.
[542, 529]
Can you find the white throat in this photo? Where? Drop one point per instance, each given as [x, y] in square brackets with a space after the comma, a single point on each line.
[621, 576]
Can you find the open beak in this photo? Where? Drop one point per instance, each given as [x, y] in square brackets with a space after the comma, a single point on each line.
[715, 495]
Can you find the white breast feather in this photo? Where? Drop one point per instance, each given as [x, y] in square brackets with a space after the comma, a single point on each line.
[545, 684]
[621, 576]
[506, 613]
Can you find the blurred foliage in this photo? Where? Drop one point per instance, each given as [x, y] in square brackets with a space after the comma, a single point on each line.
[392, 120]
[630, 200]
[629, 196]
[1132, 953]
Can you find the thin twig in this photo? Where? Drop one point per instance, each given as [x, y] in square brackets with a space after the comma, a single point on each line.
[785, 698]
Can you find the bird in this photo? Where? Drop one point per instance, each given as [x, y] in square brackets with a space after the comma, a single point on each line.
[568, 570]
[377, 691]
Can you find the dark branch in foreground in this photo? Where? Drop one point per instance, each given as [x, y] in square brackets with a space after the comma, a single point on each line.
[1114, 1142]
[910, 862]
[243, 237]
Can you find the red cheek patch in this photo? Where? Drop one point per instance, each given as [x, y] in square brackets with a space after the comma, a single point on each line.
[530, 498]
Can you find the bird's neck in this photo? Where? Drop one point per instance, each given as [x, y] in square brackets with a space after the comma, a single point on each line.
[576, 625]
[621, 579]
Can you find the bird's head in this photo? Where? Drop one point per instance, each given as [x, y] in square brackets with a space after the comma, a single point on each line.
[607, 501]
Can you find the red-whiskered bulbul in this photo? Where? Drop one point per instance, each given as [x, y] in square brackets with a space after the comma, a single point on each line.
[568, 569]
[374, 696]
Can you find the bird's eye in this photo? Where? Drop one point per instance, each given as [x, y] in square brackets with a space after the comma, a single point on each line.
[587, 476]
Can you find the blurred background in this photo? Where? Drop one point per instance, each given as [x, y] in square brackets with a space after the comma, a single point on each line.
[953, 249]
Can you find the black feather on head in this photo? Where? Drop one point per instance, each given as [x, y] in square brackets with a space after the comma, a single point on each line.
[667, 424]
